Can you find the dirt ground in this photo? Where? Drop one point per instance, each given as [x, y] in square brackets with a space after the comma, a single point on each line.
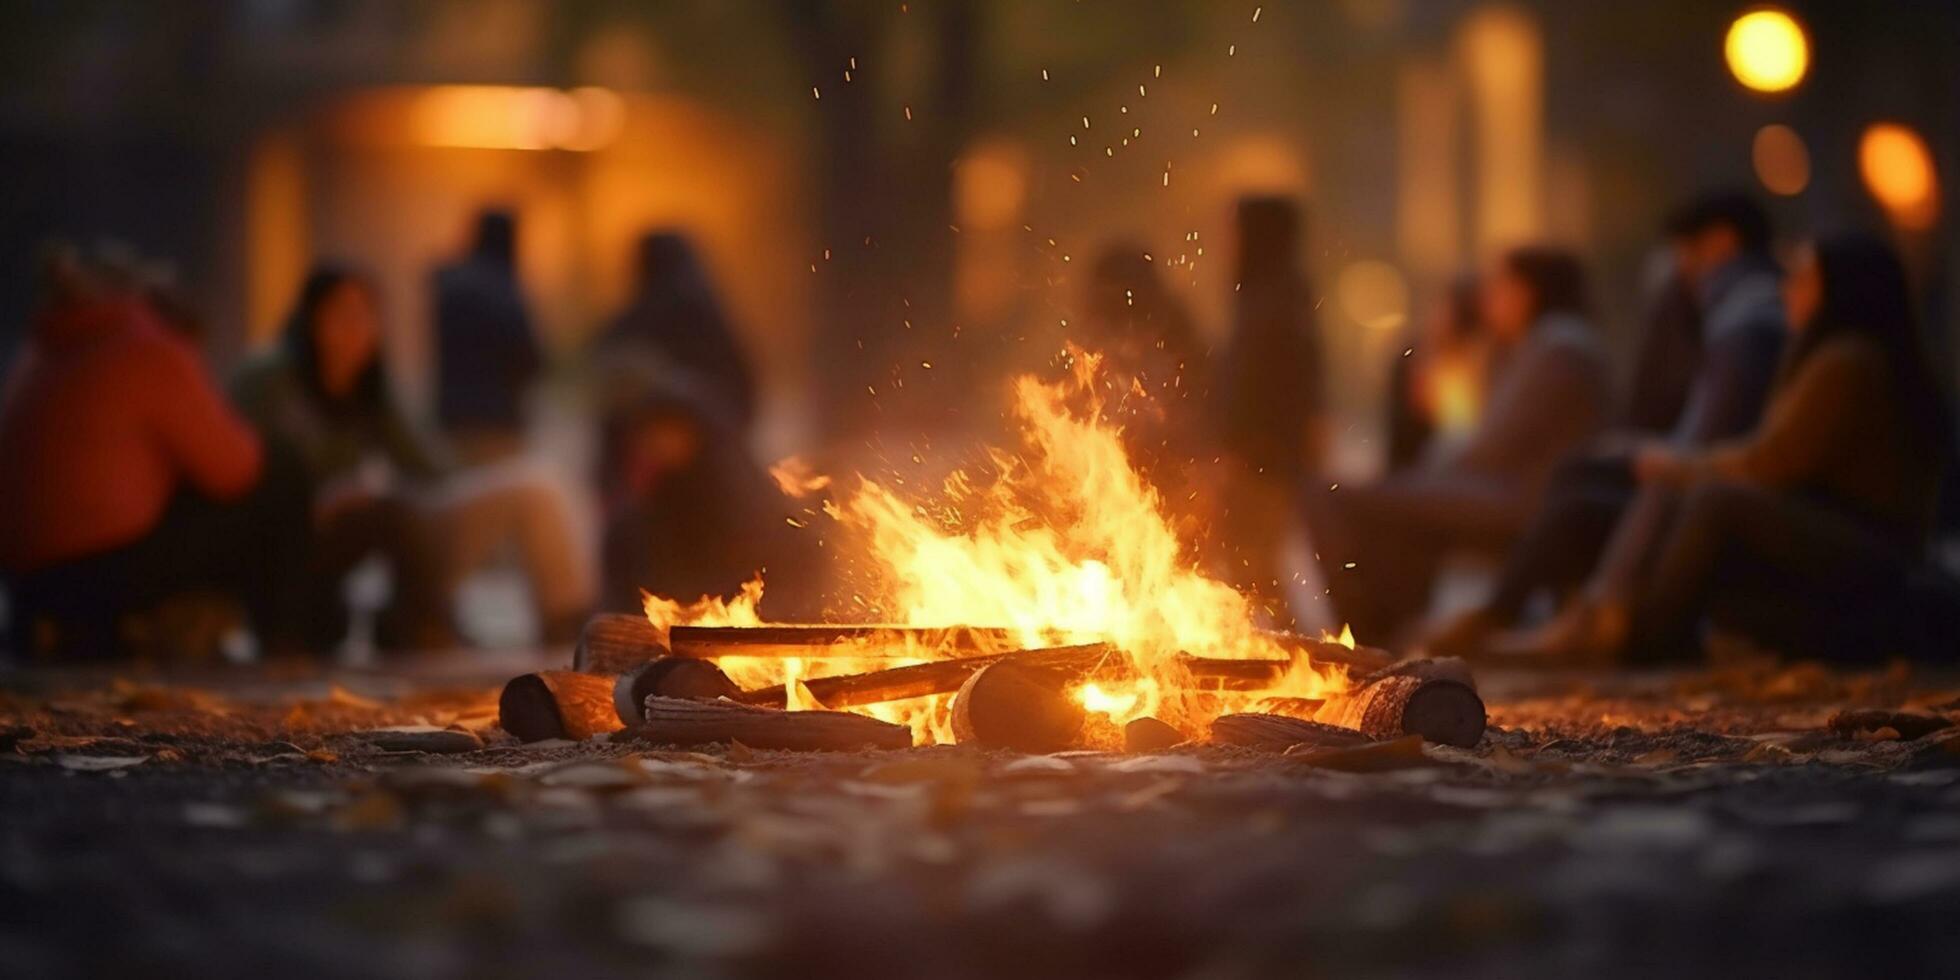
[256, 823]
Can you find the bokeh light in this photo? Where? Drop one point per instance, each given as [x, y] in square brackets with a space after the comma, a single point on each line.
[1782, 161]
[1373, 294]
[1767, 50]
[1898, 170]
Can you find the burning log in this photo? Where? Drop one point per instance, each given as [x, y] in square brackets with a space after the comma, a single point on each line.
[1358, 660]
[856, 640]
[678, 721]
[669, 677]
[616, 643]
[1430, 702]
[1149, 734]
[1009, 705]
[937, 677]
[1279, 732]
[557, 704]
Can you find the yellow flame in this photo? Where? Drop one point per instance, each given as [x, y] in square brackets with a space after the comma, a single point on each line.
[1061, 541]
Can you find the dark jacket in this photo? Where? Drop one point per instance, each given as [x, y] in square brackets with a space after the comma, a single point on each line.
[486, 353]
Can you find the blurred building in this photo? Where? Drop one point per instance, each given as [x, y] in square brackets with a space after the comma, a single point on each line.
[882, 186]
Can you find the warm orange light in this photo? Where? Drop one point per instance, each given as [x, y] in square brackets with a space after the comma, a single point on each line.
[1898, 170]
[1782, 162]
[1373, 294]
[1767, 50]
[498, 117]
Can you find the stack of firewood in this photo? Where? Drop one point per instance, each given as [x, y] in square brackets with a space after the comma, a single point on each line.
[627, 675]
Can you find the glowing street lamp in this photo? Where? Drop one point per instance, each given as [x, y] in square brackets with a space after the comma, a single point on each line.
[1767, 50]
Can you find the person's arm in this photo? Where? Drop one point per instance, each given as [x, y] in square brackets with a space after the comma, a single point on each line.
[1729, 391]
[207, 442]
[406, 448]
[1812, 414]
[1546, 406]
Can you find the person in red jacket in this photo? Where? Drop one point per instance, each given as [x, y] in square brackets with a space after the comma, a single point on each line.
[125, 477]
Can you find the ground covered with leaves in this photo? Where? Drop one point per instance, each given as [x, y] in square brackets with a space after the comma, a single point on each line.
[378, 824]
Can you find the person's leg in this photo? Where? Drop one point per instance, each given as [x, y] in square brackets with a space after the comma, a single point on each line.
[480, 512]
[1584, 501]
[1727, 534]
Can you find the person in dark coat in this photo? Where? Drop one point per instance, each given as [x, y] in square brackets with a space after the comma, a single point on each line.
[676, 318]
[487, 354]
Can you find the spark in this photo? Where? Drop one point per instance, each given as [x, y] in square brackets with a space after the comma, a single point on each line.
[908, 113]
[814, 94]
[1255, 14]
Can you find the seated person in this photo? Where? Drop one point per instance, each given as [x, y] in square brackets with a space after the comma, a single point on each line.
[127, 478]
[1824, 511]
[1379, 545]
[362, 482]
[1718, 324]
[690, 514]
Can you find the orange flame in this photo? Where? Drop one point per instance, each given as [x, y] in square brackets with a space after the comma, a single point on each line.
[1061, 542]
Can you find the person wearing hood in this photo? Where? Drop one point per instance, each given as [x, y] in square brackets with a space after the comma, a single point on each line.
[487, 354]
[125, 466]
[675, 320]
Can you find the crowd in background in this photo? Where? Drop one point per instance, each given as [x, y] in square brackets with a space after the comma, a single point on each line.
[1772, 467]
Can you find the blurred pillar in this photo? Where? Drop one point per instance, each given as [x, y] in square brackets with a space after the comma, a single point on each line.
[1428, 210]
[1504, 60]
[276, 232]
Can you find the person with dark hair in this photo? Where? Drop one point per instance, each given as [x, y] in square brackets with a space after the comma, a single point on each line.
[1437, 381]
[1379, 545]
[366, 482]
[689, 513]
[1819, 516]
[1707, 360]
[1269, 398]
[487, 355]
[676, 319]
[128, 480]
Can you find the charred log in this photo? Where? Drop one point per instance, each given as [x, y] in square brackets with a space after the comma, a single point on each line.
[557, 704]
[938, 677]
[669, 677]
[615, 643]
[677, 721]
[853, 640]
[1440, 710]
[1150, 735]
[1279, 732]
[1009, 705]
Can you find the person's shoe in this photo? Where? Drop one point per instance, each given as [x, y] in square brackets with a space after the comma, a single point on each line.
[1586, 633]
[1461, 635]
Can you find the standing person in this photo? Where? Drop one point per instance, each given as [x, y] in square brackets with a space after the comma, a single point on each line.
[487, 354]
[676, 319]
[1708, 357]
[127, 480]
[1822, 513]
[368, 483]
[1269, 393]
[1152, 361]
[1379, 545]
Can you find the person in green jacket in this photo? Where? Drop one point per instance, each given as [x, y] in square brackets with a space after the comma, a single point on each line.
[363, 481]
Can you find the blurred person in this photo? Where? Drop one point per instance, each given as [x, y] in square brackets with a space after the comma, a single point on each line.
[128, 479]
[1269, 386]
[677, 319]
[689, 513]
[1379, 545]
[487, 354]
[1818, 517]
[1707, 358]
[368, 483]
[1437, 382]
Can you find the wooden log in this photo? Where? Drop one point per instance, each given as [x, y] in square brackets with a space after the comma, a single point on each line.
[678, 721]
[1149, 734]
[1441, 710]
[615, 643]
[937, 677]
[855, 640]
[1359, 659]
[557, 704]
[1008, 705]
[1279, 732]
[1303, 708]
[1426, 668]
[671, 677]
